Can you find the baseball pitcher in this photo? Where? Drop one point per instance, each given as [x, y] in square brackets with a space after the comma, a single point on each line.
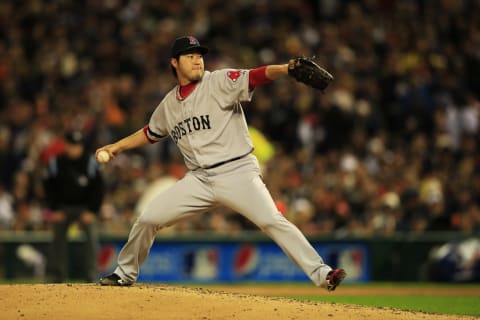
[204, 117]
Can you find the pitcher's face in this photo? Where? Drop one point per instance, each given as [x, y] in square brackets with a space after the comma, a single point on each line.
[190, 67]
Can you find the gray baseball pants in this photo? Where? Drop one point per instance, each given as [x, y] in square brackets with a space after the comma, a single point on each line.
[237, 185]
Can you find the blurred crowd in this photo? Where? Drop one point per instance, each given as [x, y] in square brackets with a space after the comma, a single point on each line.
[391, 146]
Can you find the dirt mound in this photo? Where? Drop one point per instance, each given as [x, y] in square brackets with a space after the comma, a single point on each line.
[90, 301]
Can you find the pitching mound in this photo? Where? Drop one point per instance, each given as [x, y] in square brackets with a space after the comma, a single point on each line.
[90, 301]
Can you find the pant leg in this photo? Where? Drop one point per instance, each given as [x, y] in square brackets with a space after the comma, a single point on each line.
[247, 194]
[187, 196]
[90, 251]
[58, 256]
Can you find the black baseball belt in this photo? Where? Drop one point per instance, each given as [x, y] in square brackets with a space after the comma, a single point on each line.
[221, 163]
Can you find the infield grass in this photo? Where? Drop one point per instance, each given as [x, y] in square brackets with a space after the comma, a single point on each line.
[459, 305]
[455, 302]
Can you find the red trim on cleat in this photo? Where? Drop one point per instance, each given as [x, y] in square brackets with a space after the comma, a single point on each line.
[334, 278]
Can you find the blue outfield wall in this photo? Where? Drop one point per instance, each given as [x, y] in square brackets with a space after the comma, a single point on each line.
[253, 257]
[236, 262]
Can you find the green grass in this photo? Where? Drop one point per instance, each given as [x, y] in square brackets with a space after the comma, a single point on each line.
[428, 285]
[468, 305]
[459, 305]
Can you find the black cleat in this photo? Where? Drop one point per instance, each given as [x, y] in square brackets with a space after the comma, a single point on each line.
[114, 279]
[334, 278]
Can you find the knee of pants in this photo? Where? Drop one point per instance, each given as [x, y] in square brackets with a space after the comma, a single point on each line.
[156, 220]
[146, 220]
[274, 222]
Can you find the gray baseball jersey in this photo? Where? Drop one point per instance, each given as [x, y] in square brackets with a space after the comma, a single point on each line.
[210, 129]
[209, 125]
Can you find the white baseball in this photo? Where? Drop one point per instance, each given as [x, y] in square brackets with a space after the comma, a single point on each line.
[103, 156]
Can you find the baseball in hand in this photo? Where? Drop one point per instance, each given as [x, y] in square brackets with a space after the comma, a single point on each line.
[103, 156]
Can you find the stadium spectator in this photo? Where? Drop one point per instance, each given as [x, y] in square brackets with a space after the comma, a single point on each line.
[405, 102]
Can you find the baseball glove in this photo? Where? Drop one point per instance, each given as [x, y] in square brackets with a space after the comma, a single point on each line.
[305, 70]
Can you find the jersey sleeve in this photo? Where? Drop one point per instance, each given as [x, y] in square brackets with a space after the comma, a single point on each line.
[156, 128]
[230, 86]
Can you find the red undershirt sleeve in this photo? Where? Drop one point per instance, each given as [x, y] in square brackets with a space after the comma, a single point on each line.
[258, 77]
